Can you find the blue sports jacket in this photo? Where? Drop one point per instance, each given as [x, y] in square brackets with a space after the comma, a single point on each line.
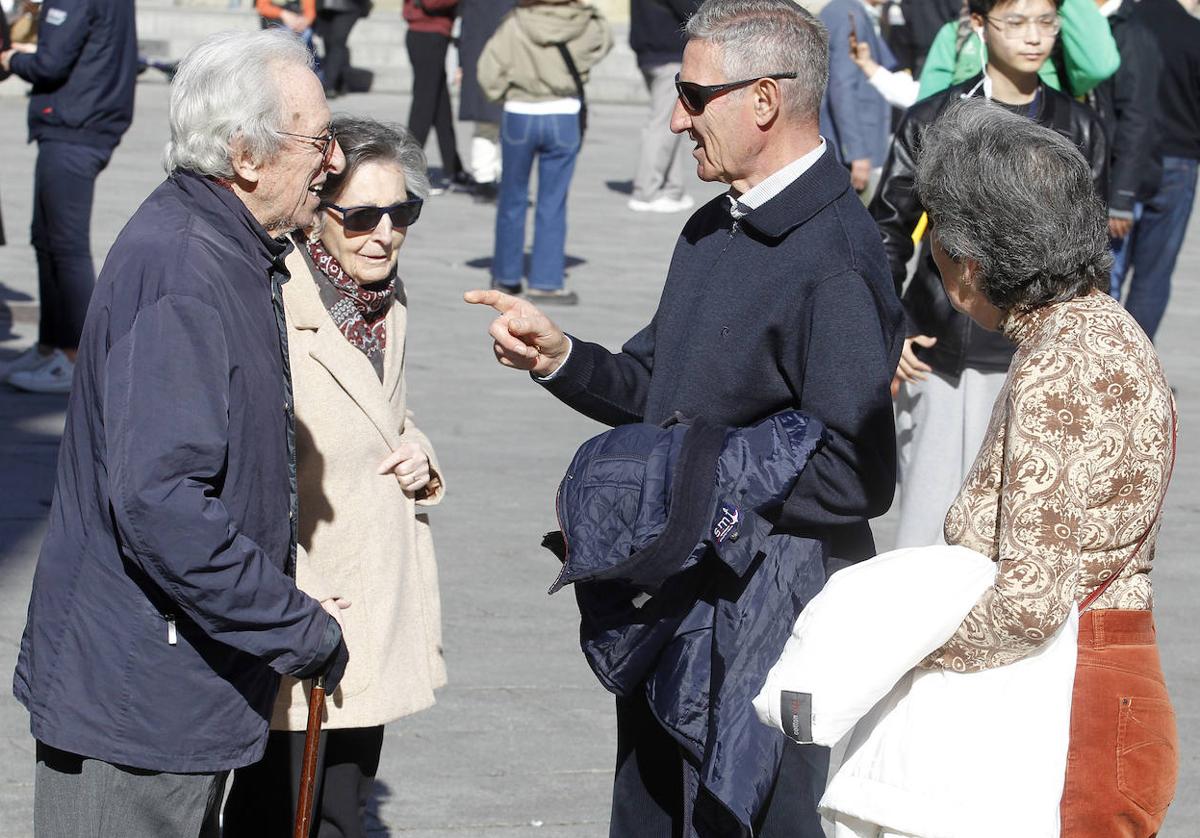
[163, 607]
[83, 72]
[686, 592]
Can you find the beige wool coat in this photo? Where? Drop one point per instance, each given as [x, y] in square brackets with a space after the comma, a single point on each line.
[361, 537]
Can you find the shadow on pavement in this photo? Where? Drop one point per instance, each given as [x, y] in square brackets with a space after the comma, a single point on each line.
[485, 262]
[380, 793]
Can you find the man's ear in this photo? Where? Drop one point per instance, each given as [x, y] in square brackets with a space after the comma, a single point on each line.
[767, 95]
[246, 166]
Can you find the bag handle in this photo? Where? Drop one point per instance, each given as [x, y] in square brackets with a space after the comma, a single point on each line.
[578, 79]
[1099, 592]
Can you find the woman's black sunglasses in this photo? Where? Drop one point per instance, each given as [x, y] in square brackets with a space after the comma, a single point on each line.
[366, 219]
[695, 97]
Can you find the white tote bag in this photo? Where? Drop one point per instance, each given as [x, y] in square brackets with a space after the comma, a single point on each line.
[924, 753]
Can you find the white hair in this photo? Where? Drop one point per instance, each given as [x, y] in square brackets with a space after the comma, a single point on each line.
[228, 87]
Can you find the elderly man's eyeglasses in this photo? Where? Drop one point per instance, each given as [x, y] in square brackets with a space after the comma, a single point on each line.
[323, 142]
[695, 97]
[366, 219]
[1014, 27]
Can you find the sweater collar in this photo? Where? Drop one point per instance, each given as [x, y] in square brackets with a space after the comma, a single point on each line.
[817, 186]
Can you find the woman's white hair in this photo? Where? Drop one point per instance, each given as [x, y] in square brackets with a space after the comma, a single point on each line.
[228, 87]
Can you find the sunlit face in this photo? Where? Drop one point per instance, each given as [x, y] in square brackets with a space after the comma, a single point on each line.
[723, 133]
[285, 196]
[371, 256]
[1019, 35]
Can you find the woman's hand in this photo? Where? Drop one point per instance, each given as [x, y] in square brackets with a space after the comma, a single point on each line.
[410, 465]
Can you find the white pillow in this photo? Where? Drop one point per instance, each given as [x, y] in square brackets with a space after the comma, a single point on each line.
[872, 623]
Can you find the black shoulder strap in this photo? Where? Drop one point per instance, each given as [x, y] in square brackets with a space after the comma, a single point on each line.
[575, 77]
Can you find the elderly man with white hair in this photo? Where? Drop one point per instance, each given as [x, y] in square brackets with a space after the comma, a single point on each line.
[164, 608]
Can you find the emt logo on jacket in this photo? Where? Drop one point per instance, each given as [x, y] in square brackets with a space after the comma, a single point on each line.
[727, 524]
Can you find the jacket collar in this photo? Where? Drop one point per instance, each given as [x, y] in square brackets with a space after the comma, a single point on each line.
[330, 349]
[1055, 110]
[821, 185]
[226, 213]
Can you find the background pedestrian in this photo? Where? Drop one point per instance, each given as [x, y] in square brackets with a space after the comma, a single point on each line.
[83, 71]
[430, 23]
[656, 34]
[525, 66]
[1158, 235]
[480, 19]
[335, 19]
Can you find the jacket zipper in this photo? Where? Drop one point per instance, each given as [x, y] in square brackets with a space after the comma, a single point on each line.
[172, 633]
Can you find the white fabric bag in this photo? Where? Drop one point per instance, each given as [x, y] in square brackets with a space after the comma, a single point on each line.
[872, 623]
[926, 753]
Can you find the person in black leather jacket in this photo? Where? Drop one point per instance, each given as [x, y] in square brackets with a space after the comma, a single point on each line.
[1128, 104]
[951, 370]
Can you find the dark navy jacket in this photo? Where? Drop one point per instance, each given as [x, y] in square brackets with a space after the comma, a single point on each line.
[674, 513]
[163, 608]
[656, 30]
[83, 72]
[790, 308]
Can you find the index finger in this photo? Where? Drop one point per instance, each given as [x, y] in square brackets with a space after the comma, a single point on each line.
[491, 297]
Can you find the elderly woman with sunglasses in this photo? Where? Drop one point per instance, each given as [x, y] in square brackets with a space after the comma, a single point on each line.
[365, 476]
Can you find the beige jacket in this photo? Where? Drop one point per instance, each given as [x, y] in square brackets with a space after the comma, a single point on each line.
[361, 538]
[521, 61]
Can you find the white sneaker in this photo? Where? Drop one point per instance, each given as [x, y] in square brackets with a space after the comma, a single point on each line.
[53, 376]
[663, 203]
[30, 359]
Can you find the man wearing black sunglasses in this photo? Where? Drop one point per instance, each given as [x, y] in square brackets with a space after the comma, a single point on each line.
[778, 297]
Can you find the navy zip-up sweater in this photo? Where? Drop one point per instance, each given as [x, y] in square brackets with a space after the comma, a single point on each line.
[83, 72]
[792, 307]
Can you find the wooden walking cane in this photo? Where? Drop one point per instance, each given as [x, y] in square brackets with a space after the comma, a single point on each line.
[308, 769]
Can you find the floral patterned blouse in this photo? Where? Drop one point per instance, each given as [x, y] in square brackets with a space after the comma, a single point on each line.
[1070, 477]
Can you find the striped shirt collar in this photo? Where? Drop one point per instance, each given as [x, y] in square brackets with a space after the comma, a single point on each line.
[772, 185]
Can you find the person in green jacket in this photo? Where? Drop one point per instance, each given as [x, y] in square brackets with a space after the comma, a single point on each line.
[1088, 50]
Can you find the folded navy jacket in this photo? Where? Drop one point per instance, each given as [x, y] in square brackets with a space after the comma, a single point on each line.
[686, 592]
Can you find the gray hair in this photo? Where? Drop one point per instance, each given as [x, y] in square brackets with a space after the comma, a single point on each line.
[761, 37]
[365, 140]
[1019, 200]
[226, 87]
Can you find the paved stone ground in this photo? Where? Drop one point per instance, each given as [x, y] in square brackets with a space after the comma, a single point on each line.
[521, 741]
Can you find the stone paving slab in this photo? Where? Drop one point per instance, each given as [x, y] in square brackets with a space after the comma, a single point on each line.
[521, 742]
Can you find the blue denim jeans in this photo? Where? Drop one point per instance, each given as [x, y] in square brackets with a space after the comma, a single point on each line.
[553, 139]
[1157, 240]
[1120, 252]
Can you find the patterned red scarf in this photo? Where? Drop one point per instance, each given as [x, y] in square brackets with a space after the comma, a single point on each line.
[360, 311]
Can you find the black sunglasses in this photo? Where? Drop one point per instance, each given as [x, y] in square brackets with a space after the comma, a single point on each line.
[695, 97]
[366, 219]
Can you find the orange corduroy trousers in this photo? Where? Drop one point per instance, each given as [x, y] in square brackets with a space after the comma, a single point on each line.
[1123, 757]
